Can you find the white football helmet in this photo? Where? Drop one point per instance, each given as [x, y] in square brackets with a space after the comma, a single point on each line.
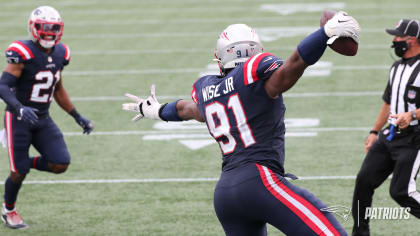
[45, 26]
[235, 45]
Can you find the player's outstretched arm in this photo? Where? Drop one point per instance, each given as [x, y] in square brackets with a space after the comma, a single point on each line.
[309, 51]
[286, 76]
[150, 108]
[63, 100]
[188, 110]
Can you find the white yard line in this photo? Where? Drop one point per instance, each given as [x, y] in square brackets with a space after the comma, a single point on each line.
[204, 133]
[194, 34]
[98, 73]
[185, 21]
[286, 95]
[162, 180]
[172, 180]
[191, 50]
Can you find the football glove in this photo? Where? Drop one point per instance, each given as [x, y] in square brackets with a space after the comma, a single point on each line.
[28, 115]
[342, 25]
[84, 123]
[148, 108]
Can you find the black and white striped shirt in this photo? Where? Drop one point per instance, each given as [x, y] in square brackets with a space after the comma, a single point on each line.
[402, 92]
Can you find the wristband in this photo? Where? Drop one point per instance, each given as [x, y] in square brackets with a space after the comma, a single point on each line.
[168, 112]
[74, 113]
[312, 47]
[8, 81]
[374, 132]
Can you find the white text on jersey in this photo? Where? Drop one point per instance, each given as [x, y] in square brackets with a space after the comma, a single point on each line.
[212, 91]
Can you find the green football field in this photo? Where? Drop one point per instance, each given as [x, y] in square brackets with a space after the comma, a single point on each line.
[155, 178]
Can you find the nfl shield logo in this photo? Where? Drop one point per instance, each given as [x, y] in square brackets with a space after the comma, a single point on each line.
[411, 94]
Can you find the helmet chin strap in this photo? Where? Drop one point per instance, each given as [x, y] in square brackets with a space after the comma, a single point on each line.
[219, 62]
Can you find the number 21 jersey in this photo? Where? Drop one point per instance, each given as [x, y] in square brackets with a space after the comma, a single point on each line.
[41, 73]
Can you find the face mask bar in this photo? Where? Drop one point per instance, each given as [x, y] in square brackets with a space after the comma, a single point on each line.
[49, 31]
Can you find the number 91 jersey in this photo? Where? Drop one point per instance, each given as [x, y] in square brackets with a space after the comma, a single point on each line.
[41, 73]
[247, 124]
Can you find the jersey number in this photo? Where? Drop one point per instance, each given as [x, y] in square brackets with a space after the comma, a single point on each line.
[222, 128]
[47, 80]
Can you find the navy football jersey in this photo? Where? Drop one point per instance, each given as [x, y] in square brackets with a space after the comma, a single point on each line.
[247, 124]
[42, 71]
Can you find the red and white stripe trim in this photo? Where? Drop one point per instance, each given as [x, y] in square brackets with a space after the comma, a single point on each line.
[21, 49]
[9, 134]
[250, 67]
[67, 53]
[300, 206]
[194, 94]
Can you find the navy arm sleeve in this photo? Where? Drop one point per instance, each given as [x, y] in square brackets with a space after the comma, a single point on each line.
[8, 81]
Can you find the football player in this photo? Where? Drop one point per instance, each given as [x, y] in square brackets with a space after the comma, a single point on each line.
[244, 112]
[31, 79]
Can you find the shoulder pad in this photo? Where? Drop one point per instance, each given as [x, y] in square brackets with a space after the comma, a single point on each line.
[18, 52]
[260, 66]
[194, 93]
[67, 54]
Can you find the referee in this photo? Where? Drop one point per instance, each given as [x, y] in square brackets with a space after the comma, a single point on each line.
[394, 149]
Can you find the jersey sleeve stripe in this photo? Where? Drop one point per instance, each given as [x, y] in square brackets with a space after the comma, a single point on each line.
[194, 95]
[256, 63]
[67, 53]
[9, 131]
[251, 66]
[247, 68]
[22, 49]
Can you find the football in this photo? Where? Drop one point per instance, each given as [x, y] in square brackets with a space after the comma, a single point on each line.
[345, 46]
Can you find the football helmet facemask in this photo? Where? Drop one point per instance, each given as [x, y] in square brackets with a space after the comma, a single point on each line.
[235, 45]
[45, 26]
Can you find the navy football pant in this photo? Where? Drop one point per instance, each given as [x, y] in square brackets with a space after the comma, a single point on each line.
[248, 197]
[45, 136]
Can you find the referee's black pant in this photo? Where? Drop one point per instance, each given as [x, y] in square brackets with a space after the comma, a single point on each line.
[401, 157]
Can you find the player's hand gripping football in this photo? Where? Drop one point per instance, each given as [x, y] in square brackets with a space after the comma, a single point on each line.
[148, 108]
[342, 25]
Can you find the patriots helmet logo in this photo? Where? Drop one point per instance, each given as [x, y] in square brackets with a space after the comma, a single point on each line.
[37, 12]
